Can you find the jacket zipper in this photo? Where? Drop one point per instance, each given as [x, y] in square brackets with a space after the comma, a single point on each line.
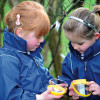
[85, 66]
[39, 72]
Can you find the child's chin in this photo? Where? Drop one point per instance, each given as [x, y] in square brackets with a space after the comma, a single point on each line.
[33, 49]
[81, 52]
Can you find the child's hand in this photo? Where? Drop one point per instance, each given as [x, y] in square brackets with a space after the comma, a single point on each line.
[47, 95]
[94, 88]
[72, 93]
[64, 86]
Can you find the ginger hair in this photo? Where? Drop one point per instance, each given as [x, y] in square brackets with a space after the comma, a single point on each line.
[33, 17]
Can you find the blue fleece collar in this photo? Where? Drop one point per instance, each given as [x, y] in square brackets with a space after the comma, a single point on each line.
[12, 41]
[89, 53]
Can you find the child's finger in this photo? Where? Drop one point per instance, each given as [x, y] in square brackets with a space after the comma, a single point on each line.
[75, 97]
[49, 90]
[71, 93]
[90, 83]
[70, 88]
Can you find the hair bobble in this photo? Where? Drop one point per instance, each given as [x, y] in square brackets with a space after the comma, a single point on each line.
[18, 19]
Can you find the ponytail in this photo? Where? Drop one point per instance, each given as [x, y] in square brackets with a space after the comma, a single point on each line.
[96, 11]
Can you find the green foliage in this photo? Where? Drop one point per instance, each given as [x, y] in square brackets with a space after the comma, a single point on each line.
[6, 8]
[2, 4]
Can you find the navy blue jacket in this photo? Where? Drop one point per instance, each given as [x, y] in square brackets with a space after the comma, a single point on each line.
[22, 73]
[74, 67]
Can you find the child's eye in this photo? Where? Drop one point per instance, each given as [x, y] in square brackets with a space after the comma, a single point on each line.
[37, 37]
[80, 43]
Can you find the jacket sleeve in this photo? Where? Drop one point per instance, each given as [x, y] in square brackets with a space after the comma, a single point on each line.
[44, 71]
[67, 74]
[2, 86]
[10, 80]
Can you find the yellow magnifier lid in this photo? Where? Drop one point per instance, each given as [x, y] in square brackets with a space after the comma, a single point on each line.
[80, 81]
[57, 90]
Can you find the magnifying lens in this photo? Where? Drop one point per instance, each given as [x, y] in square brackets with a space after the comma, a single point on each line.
[57, 90]
[81, 88]
[58, 87]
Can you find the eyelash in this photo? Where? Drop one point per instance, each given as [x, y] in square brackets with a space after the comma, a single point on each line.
[80, 43]
[37, 37]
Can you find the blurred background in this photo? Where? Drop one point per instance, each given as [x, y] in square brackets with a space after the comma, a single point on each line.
[56, 47]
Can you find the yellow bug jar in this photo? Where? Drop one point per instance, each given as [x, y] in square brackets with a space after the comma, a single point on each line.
[59, 86]
[81, 88]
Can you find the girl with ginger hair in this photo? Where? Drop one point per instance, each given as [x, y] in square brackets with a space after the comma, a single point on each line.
[22, 69]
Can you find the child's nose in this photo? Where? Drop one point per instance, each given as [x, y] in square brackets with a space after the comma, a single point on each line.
[76, 47]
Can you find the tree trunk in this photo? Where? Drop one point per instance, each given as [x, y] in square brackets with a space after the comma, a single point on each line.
[54, 37]
[13, 3]
[97, 2]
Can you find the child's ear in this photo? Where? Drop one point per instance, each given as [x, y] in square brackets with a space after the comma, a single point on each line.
[96, 35]
[19, 32]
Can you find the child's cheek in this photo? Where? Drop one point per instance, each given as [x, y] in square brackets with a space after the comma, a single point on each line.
[32, 44]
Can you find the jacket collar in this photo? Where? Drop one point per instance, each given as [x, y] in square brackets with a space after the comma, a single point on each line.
[89, 53]
[12, 41]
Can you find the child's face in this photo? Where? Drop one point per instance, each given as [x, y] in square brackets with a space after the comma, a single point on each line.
[78, 43]
[33, 42]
